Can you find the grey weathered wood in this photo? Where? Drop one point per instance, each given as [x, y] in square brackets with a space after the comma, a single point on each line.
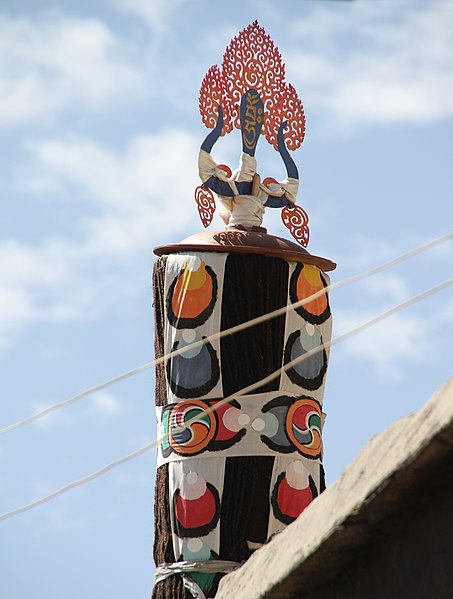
[384, 482]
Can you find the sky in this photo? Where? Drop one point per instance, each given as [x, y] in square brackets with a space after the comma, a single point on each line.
[100, 131]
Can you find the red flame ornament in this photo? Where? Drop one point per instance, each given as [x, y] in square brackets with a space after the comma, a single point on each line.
[206, 205]
[249, 92]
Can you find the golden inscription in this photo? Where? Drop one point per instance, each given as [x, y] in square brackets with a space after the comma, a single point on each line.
[253, 116]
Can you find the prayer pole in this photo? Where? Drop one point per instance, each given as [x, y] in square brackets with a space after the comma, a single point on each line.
[233, 471]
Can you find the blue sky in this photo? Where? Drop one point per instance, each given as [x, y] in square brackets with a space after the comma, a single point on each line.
[100, 130]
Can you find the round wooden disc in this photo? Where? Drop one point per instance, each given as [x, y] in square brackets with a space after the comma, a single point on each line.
[236, 240]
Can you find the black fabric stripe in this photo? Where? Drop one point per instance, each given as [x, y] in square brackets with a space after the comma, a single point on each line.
[253, 285]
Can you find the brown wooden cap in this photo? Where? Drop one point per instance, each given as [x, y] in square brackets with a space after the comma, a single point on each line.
[235, 240]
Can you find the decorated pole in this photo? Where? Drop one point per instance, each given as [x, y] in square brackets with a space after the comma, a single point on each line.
[233, 471]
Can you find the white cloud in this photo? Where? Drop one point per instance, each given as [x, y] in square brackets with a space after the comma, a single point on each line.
[389, 345]
[95, 409]
[120, 180]
[387, 286]
[58, 62]
[357, 63]
[105, 405]
[142, 194]
[42, 283]
[16, 306]
[137, 197]
[157, 14]
[374, 62]
[56, 419]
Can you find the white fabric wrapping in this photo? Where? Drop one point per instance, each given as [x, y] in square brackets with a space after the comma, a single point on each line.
[246, 169]
[212, 472]
[252, 419]
[294, 322]
[244, 210]
[175, 264]
[247, 211]
[288, 188]
[281, 463]
[270, 430]
[207, 167]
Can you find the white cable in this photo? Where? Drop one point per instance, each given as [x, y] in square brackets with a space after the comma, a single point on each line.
[324, 345]
[136, 453]
[75, 398]
[81, 481]
[230, 331]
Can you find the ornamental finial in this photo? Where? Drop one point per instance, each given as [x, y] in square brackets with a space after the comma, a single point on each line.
[249, 92]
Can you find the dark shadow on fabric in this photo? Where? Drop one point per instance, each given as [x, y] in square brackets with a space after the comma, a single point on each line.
[253, 285]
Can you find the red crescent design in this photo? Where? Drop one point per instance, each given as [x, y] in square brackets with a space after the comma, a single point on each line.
[292, 502]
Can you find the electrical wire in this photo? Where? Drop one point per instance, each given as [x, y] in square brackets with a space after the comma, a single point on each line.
[369, 323]
[81, 481]
[320, 347]
[230, 331]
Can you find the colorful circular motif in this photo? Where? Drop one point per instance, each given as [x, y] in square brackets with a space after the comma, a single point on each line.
[189, 342]
[191, 438]
[233, 419]
[196, 549]
[213, 431]
[193, 486]
[309, 372]
[293, 491]
[195, 517]
[229, 427]
[195, 372]
[293, 424]
[192, 295]
[274, 434]
[305, 281]
[303, 427]
[297, 475]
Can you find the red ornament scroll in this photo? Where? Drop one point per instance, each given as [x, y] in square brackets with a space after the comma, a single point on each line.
[212, 93]
[226, 169]
[296, 220]
[206, 204]
[289, 109]
[253, 61]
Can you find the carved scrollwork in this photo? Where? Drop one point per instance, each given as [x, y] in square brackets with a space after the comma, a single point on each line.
[212, 93]
[289, 109]
[253, 61]
[296, 220]
[206, 204]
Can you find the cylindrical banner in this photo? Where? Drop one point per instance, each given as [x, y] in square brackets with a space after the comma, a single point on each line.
[238, 474]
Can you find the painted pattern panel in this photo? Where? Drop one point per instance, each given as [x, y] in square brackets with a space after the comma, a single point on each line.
[307, 327]
[285, 424]
[193, 291]
[264, 424]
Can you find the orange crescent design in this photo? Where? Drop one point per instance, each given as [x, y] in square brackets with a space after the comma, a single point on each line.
[189, 302]
[308, 283]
